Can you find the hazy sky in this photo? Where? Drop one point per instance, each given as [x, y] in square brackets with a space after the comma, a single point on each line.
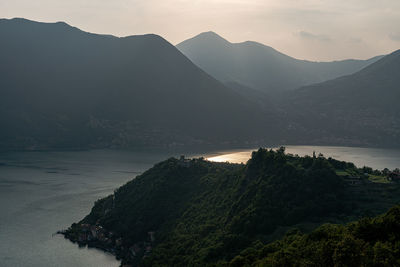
[306, 29]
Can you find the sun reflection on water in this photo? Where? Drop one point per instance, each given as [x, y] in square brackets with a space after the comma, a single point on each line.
[237, 157]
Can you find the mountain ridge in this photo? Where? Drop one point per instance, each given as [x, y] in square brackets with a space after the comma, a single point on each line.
[215, 35]
[360, 108]
[260, 66]
[124, 91]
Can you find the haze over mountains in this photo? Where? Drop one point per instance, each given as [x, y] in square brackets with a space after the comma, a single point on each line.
[61, 87]
[358, 109]
[259, 66]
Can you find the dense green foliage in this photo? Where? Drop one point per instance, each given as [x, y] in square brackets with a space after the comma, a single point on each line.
[238, 208]
[205, 213]
[367, 242]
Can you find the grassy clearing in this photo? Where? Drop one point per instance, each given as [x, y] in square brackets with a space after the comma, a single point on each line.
[378, 179]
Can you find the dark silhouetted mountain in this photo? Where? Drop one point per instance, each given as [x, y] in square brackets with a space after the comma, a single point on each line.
[358, 109]
[61, 87]
[261, 67]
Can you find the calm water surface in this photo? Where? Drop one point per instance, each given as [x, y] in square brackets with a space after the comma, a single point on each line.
[42, 192]
[372, 157]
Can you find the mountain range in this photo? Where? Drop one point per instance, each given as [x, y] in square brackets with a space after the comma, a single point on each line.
[61, 87]
[350, 102]
[358, 109]
[259, 66]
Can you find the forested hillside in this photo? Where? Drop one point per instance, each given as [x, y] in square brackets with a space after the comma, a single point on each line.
[194, 212]
[367, 242]
[62, 88]
[359, 110]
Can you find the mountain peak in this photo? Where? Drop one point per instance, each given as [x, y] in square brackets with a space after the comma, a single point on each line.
[259, 66]
[209, 37]
[387, 64]
[46, 69]
[210, 34]
[18, 20]
[28, 27]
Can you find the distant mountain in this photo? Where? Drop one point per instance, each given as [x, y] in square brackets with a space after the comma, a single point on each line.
[61, 87]
[261, 67]
[358, 109]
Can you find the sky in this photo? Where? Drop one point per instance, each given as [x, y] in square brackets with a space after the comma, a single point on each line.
[319, 30]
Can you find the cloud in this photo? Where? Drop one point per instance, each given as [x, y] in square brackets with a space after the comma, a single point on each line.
[395, 36]
[316, 37]
[355, 40]
[310, 29]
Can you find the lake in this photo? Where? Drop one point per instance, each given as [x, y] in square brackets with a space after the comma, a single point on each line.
[42, 192]
[371, 157]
